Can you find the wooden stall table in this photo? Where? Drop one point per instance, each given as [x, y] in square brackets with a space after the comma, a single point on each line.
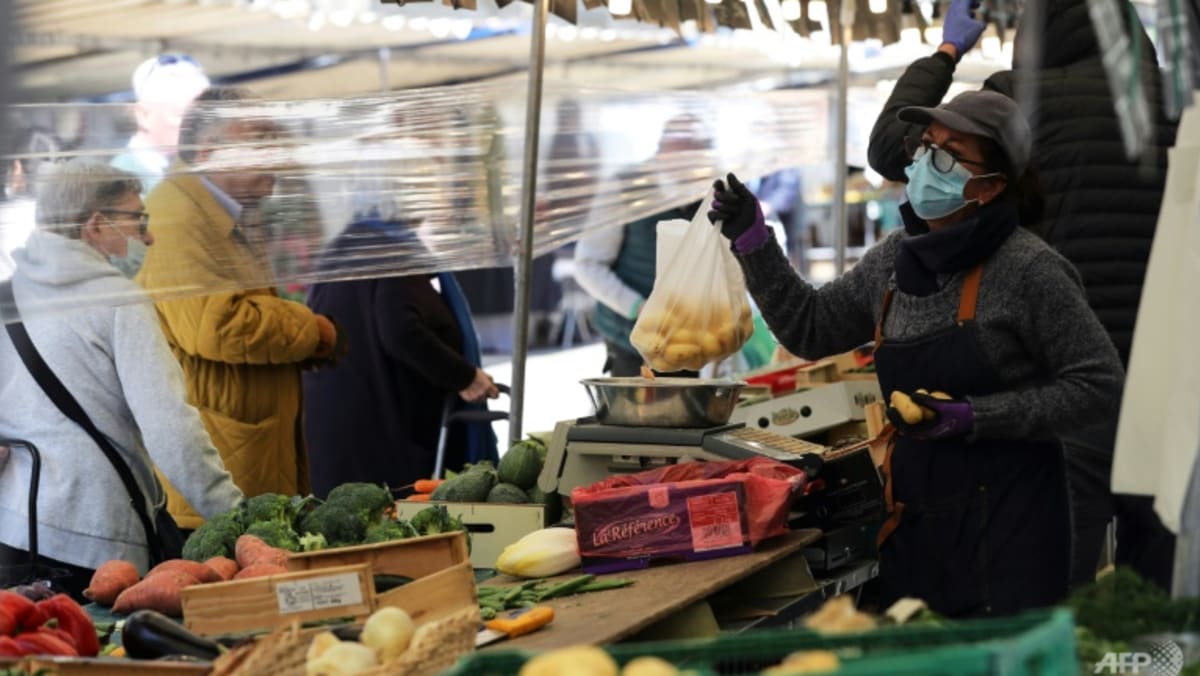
[659, 593]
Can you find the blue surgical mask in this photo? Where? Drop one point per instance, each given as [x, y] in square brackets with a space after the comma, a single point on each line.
[934, 194]
[135, 255]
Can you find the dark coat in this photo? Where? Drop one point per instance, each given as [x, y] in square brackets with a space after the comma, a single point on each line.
[1101, 209]
[375, 416]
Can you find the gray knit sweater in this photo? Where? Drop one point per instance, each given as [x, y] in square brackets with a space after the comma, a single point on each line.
[116, 363]
[1059, 368]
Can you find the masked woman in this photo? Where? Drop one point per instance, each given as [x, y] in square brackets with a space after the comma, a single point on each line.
[966, 303]
[96, 333]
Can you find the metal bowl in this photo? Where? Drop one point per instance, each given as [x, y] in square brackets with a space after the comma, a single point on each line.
[663, 402]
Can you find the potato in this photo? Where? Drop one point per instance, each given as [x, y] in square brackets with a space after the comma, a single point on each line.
[727, 335]
[649, 666]
[903, 403]
[710, 345]
[580, 660]
[683, 336]
[682, 353]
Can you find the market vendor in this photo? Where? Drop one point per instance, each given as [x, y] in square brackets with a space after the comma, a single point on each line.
[964, 302]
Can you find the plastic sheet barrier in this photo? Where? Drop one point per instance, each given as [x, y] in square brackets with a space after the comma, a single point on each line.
[435, 172]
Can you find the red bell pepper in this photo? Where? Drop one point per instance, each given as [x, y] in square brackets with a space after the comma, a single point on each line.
[45, 643]
[9, 647]
[26, 613]
[73, 620]
[8, 623]
[59, 634]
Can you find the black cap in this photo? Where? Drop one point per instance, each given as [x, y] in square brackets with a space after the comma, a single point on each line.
[982, 113]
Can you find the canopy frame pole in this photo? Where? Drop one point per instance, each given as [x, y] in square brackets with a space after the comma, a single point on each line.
[840, 221]
[523, 267]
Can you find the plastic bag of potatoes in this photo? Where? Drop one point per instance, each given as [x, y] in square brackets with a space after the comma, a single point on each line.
[698, 312]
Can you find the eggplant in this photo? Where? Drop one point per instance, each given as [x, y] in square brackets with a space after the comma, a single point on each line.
[150, 635]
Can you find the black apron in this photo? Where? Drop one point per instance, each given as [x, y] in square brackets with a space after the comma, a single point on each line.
[975, 528]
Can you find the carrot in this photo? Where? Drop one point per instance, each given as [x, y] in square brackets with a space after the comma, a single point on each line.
[417, 497]
[199, 571]
[224, 566]
[427, 485]
[161, 592]
[260, 570]
[251, 550]
[109, 580]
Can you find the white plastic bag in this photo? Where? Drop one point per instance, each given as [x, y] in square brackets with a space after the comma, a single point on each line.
[697, 312]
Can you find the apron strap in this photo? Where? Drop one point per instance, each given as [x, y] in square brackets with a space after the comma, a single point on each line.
[895, 509]
[970, 294]
[887, 302]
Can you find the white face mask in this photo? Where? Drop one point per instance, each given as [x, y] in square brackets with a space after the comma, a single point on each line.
[135, 253]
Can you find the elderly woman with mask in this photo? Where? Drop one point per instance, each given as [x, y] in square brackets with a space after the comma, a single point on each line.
[967, 303]
[103, 345]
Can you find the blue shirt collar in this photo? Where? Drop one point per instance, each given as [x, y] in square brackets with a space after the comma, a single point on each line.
[227, 203]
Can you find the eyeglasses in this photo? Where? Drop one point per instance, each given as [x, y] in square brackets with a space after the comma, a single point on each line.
[943, 160]
[143, 218]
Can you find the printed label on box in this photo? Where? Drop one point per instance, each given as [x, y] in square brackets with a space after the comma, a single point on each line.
[715, 520]
[331, 591]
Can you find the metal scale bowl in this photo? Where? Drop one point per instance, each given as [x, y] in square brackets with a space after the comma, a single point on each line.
[663, 402]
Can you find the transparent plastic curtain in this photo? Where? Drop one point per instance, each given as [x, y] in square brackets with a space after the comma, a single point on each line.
[437, 170]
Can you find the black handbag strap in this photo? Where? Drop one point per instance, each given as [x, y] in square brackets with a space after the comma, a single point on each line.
[66, 403]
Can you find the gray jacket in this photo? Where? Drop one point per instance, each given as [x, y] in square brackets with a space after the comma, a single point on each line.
[116, 363]
[1059, 367]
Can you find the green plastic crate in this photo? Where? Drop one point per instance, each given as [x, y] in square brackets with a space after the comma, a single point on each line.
[1035, 644]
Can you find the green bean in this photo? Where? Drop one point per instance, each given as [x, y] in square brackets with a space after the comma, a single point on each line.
[567, 587]
[487, 614]
[603, 585]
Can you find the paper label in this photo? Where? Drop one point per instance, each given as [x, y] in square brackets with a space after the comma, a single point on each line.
[332, 591]
[715, 521]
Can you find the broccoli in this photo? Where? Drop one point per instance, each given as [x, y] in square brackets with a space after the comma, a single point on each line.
[278, 535]
[370, 500]
[267, 508]
[310, 542]
[385, 531]
[433, 520]
[215, 537]
[340, 525]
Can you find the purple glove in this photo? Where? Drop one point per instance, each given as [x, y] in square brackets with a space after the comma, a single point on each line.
[960, 28]
[740, 216]
[952, 418]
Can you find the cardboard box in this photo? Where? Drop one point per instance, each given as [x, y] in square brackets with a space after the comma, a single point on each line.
[629, 527]
[493, 526]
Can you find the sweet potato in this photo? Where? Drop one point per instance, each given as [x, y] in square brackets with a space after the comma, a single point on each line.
[224, 566]
[259, 570]
[251, 550]
[159, 592]
[109, 580]
[199, 571]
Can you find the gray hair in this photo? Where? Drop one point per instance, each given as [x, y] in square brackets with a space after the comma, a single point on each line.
[68, 193]
[200, 126]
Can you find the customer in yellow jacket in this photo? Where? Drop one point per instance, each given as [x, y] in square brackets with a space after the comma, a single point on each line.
[241, 346]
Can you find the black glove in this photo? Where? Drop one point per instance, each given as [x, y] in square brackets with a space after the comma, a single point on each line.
[737, 209]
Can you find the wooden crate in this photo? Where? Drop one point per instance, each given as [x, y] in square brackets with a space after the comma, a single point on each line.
[493, 526]
[820, 373]
[338, 583]
[415, 557]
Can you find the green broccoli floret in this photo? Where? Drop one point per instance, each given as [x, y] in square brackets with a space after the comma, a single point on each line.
[278, 535]
[386, 531]
[340, 525]
[312, 542]
[215, 537]
[267, 508]
[370, 500]
[433, 520]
